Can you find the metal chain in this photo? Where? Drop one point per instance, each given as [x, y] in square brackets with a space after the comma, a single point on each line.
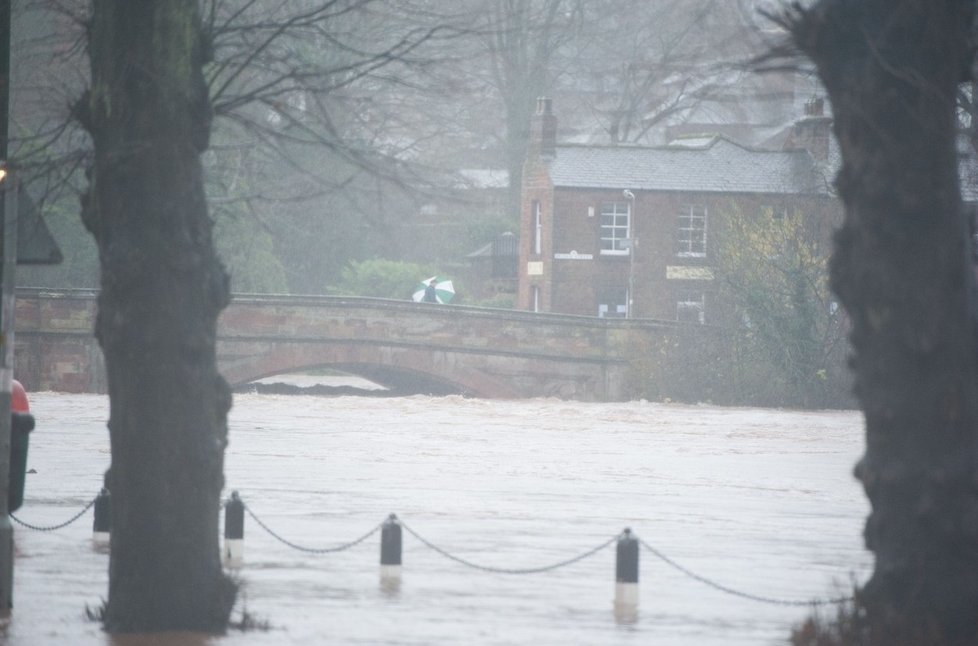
[312, 550]
[737, 593]
[39, 528]
[498, 570]
[486, 568]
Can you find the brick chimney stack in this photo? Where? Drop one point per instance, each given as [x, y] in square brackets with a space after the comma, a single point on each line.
[812, 132]
[543, 129]
[815, 107]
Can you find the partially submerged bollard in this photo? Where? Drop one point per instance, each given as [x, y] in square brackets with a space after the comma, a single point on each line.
[390, 552]
[21, 424]
[102, 526]
[234, 531]
[626, 577]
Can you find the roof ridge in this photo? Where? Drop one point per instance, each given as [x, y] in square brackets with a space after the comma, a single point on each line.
[714, 138]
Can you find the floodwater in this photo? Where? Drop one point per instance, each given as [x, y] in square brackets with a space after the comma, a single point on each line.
[758, 501]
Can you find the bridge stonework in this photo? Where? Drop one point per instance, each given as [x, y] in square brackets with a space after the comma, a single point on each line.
[409, 346]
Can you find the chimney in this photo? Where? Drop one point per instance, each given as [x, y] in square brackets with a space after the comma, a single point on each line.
[812, 132]
[543, 129]
[815, 107]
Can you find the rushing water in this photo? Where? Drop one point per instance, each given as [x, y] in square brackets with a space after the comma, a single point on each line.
[761, 501]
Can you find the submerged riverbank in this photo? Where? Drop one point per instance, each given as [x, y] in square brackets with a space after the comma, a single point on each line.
[757, 500]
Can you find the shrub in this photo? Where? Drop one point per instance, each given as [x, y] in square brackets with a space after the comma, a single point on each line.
[382, 278]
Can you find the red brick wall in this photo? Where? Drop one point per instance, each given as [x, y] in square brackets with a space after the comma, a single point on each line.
[536, 188]
[576, 286]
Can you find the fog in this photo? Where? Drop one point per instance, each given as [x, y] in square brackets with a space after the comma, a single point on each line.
[391, 129]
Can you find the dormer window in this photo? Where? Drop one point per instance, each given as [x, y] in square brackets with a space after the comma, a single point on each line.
[615, 228]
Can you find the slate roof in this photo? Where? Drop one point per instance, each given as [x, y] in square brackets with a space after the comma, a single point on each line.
[714, 165]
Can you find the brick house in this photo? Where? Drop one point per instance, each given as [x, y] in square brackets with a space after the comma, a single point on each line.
[629, 231]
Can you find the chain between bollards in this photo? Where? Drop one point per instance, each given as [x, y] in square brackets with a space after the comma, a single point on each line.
[626, 557]
[738, 593]
[51, 528]
[301, 548]
[499, 570]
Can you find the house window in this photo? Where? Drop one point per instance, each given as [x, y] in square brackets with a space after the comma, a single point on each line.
[615, 228]
[691, 238]
[537, 228]
[613, 304]
[779, 212]
[691, 307]
[774, 211]
[536, 298]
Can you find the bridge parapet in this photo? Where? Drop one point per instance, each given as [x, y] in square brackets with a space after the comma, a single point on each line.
[479, 351]
[54, 345]
[497, 330]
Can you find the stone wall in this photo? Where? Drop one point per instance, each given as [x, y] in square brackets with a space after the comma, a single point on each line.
[484, 352]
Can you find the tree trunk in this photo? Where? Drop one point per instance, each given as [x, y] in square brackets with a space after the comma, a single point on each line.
[162, 290]
[902, 268]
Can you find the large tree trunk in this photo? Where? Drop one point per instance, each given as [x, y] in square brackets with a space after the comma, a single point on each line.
[162, 290]
[902, 268]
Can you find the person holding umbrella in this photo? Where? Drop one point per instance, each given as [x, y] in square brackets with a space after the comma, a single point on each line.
[429, 293]
[434, 290]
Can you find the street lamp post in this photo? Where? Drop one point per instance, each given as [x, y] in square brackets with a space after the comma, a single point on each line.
[630, 243]
[631, 276]
[8, 220]
[8, 191]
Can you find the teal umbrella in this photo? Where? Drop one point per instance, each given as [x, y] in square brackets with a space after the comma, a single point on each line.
[444, 290]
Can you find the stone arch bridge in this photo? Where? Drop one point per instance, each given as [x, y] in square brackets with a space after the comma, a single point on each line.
[406, 346]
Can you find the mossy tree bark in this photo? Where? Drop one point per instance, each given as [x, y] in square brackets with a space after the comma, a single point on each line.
[903, 269]
[161, 292]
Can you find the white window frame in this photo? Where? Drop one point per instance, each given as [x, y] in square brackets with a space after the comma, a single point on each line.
[604, 311]
[610, 232]
[613, 303]
[691, 229]
[537, 228]
[691, 302]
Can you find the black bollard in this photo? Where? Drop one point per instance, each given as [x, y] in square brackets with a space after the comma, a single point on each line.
[234, 530]
[102, 526]
[626, 570]
[390, 549]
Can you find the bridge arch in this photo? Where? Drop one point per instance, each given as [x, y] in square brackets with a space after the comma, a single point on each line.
[396, 380]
